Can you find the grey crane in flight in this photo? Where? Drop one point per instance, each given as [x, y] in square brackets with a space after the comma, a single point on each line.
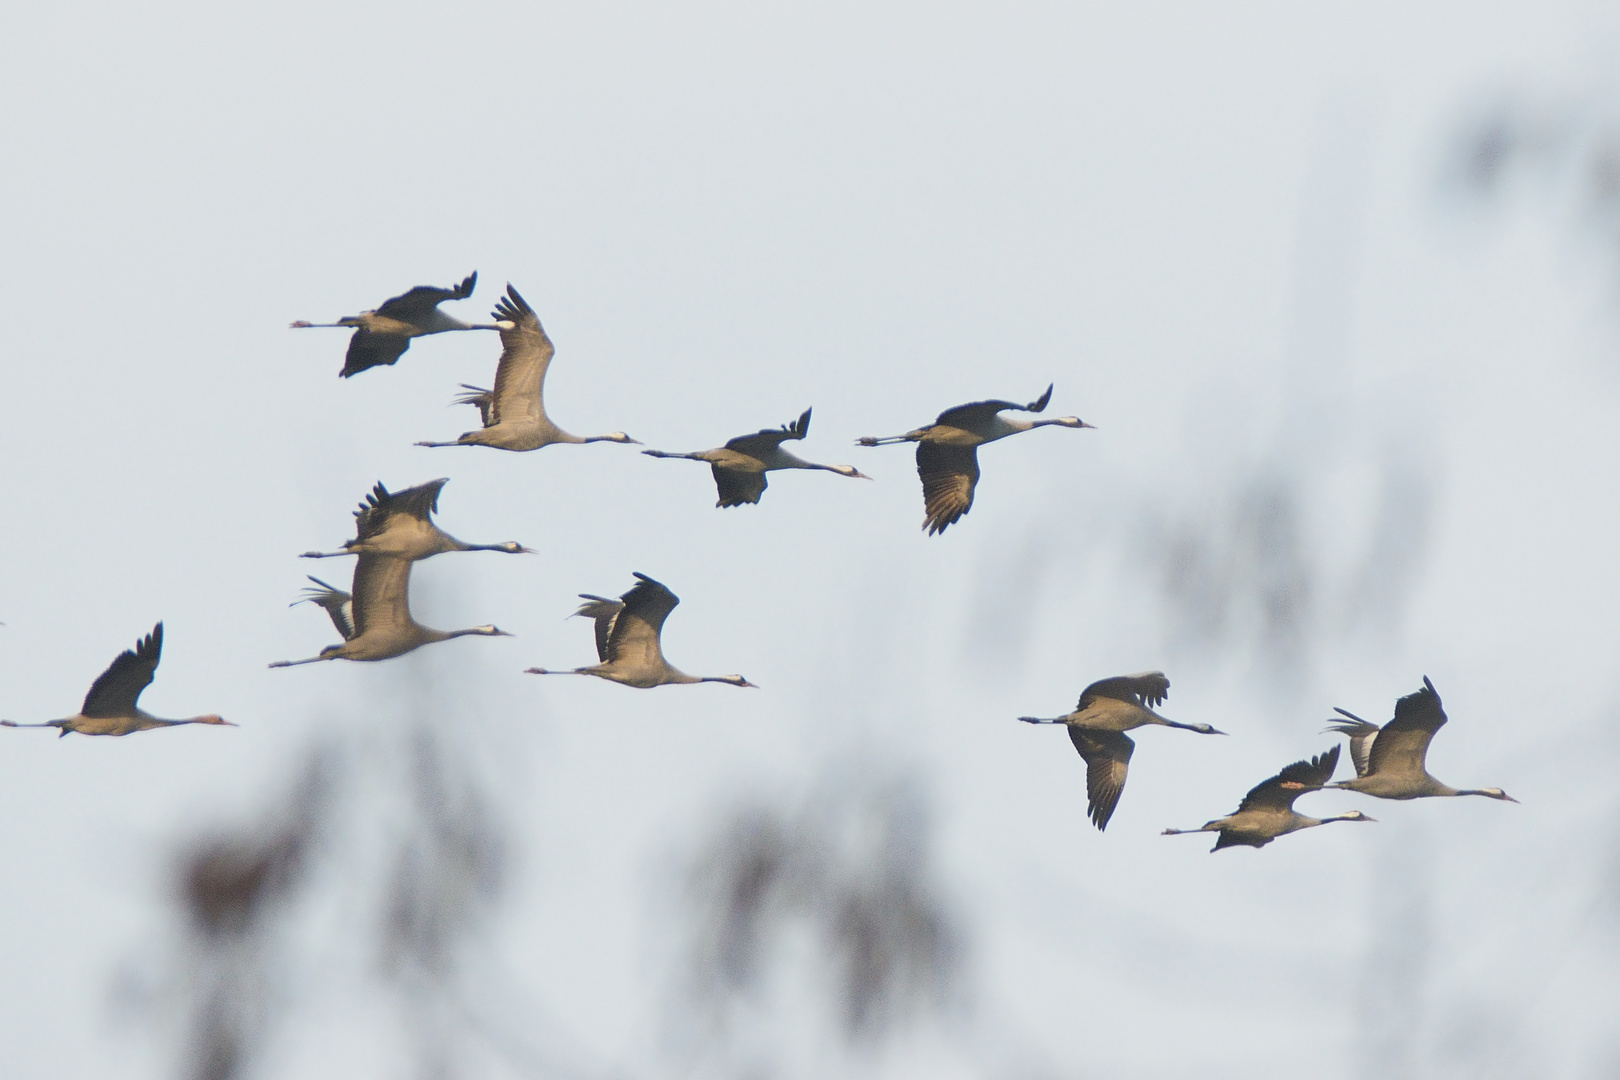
[628, 639]
[740, 466]
[110, 707]
[1267, 811]
[382, 336]
[376, 621]
[514, 413]
[1391, 762]
[1108, 709]
[947, 451]
[400, 523]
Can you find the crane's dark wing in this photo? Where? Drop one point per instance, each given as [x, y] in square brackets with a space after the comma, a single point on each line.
[634, 636]
[737, 486]
[1403, 744]
[1147, 689]
[1108, 755]
[372, 516]
[419, 303]
[767, 439]
[118, 688]
[369, 350]
[382, 593]
[604, 611]
[948, 475]
[975, 413]
[338, 604]
[1233, 838]
[1361, 734]
[483, 399]
[526, 353]
[418, 502]
[1307, 775]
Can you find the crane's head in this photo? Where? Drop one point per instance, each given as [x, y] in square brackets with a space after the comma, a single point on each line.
[489, 631]
[848, 470]
[512, 547]
[1352, 815]
[615, 436]
[732, 680]
[1205, 729]
[212, 718]
[1072, 421]
[1493, 793]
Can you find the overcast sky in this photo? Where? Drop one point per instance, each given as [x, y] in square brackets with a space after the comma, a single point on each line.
[1354, 427]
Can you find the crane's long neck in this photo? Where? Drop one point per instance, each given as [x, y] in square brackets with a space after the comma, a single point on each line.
[307, 660]
[457, 545]
[1208, 826]
[889, 440]
[471, 631]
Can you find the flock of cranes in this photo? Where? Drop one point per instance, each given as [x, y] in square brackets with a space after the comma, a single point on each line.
[393, 530]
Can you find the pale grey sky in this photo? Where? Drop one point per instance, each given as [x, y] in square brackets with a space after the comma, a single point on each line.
[1222, 231]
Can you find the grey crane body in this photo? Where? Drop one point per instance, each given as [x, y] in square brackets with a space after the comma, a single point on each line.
[947, 452]
[628, 640]
[375, 621]
[382, 336]
[739, 467]
[1392, 761]
[400, 524]
[110, 707]
[514, 412]
[1267, 811]
[1108, 708]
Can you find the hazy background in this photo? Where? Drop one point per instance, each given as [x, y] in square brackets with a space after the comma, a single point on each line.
[1337, 288]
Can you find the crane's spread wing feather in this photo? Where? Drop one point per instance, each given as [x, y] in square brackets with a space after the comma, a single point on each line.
[635, 633]
[382, 593]
[948, 476]
[1147, 689]
[116, 690]
[604, 611]
[339, 605]
[483, 399]
[418, 303]
[767, 439]
[1312, 774]
[1361, 734]
[417, 502]
[1108, 756]
[369, 350]
[526, 353]
[738, 486]
[976, 413]
[1403, 744]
